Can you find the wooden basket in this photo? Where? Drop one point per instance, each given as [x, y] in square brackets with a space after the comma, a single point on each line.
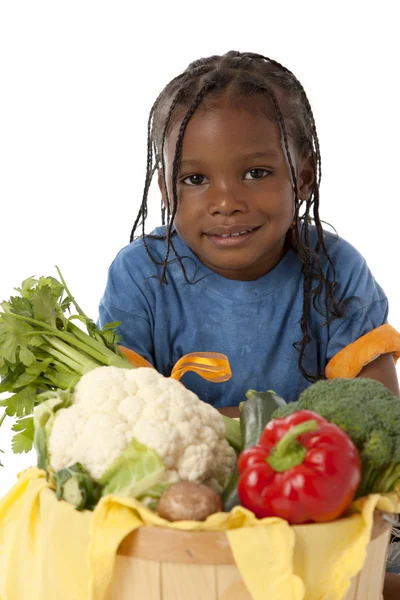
[165, 564]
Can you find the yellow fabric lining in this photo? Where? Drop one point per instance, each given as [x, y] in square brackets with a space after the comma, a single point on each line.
[49, 550]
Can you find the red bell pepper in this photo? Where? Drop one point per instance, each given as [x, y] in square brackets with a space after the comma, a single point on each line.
[303, 469]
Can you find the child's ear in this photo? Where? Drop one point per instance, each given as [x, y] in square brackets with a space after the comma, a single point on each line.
[306, 178]
[161, 185]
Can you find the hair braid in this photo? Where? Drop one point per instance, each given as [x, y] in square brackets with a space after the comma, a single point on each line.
[177, 160]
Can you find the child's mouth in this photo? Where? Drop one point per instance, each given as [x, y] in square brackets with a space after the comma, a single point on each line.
[228, 240]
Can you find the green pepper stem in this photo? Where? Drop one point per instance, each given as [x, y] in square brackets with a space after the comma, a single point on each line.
[288, 452]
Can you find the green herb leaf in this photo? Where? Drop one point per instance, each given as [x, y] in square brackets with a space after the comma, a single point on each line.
[44, 306]
[23, 441]
[15, 339]
[32, 372]
[19, 306]
[26, 286]
[20, 404]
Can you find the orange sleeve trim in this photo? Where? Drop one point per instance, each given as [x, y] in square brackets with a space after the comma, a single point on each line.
[352, 359]
[134, 358]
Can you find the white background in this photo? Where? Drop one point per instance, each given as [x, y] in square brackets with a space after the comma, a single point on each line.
[77, 80]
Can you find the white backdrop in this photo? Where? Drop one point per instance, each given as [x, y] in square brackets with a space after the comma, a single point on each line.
[78, 80]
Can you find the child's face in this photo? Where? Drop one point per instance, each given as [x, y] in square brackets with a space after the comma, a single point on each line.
[234, 178]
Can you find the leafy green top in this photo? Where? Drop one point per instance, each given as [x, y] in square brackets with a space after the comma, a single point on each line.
[42, 349]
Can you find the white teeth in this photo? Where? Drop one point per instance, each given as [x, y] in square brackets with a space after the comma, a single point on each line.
[226, 235]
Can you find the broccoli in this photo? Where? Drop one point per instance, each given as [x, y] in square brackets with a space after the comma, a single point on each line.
[370, 415]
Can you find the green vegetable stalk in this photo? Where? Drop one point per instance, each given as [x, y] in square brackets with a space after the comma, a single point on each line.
[43, 350]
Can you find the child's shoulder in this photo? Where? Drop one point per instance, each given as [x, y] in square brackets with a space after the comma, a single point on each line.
[338, 244]
[143, 254]
[155, 243]
[342, 253]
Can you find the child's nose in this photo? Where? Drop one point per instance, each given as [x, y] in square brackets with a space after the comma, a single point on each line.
[226, 200]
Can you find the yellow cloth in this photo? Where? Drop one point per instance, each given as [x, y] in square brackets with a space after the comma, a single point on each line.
[49, 550]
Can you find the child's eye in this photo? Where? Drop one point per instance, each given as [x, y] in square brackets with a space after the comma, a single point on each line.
[194, 179]
[257, 173]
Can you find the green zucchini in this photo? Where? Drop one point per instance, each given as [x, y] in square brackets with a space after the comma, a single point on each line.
[232, 433]
[255, 413]
[230, 496]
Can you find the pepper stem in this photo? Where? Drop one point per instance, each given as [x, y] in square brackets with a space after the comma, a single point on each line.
[288, 452]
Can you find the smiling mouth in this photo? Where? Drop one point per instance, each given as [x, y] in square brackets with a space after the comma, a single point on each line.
[231, 239]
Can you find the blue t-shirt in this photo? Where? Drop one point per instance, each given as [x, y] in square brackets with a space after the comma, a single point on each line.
[255, 323]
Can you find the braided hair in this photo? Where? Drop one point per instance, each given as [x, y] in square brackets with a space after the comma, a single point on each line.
[253, 76]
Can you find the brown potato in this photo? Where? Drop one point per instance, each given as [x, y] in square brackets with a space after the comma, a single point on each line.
[188, 501]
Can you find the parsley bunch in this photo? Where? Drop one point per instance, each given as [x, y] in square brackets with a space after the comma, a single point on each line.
[42, 349]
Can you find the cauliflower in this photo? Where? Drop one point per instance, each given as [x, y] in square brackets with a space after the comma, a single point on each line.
[111, 406]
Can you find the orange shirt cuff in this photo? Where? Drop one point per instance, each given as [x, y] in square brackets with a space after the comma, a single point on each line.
[352, 359]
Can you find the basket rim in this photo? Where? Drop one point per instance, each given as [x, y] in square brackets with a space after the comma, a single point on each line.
[197, 547]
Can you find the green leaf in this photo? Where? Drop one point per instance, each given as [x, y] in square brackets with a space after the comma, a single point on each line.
[18, 305]
[112, 325]
[43, 421]
[109, 334]
[20, 404]
[32, 372]
[57, 288]
[45, 305]
[10, 376]
[44, 296]
[74, 485]
[23, 441]
[26, 286]
[31, 286]
[15, 339]
[40, 443]
[111, 337]
[138, 469]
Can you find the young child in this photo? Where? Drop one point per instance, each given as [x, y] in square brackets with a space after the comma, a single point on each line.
[242, 265]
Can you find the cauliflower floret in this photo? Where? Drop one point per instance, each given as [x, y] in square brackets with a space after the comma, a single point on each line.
[111, 406]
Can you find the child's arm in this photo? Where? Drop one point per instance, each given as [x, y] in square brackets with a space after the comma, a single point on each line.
[391, 590]
[361, 342]
[383, 369]
[372, 355]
